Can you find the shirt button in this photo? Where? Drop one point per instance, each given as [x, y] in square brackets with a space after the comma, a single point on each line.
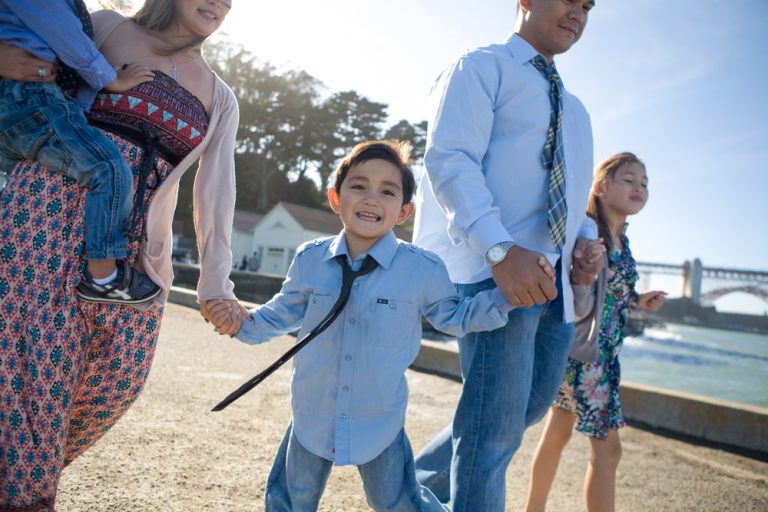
[356, 285]
[348, 357]
[351, 320]
[345, 388]
[342, 416]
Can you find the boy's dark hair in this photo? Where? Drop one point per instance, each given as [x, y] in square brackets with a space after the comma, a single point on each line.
[398, 153]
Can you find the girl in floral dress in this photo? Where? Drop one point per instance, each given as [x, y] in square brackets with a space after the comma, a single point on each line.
[589, 395]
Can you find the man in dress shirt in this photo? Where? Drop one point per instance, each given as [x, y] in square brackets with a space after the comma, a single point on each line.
[484, 212]
[348, 392]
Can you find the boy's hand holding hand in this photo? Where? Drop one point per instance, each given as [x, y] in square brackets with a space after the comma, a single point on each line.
[226, 315]
[130, 75]
[651, 301]
[525, 277]
[587, 260]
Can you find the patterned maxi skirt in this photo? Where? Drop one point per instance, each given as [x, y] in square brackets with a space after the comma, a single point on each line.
[68, 369]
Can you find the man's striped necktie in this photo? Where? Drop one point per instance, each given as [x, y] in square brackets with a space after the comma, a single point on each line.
[552, 157]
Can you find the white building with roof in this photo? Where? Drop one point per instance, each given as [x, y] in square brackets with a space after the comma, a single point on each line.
[284, 228]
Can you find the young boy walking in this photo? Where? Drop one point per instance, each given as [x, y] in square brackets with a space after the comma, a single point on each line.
[41, 121]
[349, 391]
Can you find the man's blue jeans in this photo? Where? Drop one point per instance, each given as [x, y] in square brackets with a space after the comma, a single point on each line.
[39, 122]
[511, 376]
[298, 477]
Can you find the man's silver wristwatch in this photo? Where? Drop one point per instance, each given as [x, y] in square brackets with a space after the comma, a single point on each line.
[497, 253]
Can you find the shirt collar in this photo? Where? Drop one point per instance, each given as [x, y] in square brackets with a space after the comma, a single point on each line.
[521, 50]
[383, 251]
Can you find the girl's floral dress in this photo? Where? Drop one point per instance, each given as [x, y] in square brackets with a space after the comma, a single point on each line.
[591, 390]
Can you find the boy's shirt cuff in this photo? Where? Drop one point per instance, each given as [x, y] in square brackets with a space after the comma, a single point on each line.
[249, 333]
[500, 301]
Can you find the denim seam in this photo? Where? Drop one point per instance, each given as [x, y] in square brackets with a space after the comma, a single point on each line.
[43, 140]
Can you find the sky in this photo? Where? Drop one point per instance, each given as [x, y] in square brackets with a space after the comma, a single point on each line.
[679, 82]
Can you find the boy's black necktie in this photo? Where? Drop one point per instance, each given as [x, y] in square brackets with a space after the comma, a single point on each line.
[66, 77]
[348, 277]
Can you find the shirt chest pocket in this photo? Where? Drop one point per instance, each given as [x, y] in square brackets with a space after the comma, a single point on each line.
[318, 307]
[317, 351]
[395, 329]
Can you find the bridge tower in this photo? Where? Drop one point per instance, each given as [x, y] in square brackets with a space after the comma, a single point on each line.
[692, 273]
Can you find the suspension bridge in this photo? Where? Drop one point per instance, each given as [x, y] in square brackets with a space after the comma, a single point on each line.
[704, 285]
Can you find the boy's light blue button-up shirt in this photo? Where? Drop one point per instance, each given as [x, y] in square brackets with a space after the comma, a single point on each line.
[349, 391]
[49, 29]
[485, 180]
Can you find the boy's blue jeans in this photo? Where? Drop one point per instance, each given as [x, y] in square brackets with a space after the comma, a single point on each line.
[39, 122]
[511, 376]
[298, 477]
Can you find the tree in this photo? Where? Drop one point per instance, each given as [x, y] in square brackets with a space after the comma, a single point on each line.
[415, 134]
[291, 132]
[274, 135]
[346, 120]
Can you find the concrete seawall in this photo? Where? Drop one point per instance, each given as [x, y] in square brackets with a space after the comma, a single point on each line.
[739, 426]
[729, 424]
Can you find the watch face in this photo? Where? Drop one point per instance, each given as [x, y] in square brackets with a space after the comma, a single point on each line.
[496, 254]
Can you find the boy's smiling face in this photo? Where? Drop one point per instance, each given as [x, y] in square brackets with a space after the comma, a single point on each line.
[370, 203]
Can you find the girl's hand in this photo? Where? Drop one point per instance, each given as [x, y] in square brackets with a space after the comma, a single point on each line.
[226, 315]
[587, 260]
[651, 301]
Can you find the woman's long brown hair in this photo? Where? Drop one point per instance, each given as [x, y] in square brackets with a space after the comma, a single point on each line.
[156, 16]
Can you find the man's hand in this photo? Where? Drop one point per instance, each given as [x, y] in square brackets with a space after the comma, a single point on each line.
[226, 315]
[130, 75]
[525, 277]
[651, 301]
[17, 64]
[587, 260]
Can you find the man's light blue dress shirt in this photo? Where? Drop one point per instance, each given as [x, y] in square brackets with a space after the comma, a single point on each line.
[485, 182]
[50, 28]
[348, 391]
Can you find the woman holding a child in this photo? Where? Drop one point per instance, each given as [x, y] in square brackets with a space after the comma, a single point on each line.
[70, 369]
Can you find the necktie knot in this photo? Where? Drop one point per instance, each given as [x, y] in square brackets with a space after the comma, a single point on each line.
[348, 275]
[549, 71]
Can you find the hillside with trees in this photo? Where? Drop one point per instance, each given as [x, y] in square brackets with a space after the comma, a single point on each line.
[292, 131]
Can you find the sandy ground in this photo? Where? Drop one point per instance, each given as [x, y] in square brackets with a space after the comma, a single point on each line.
[169, 453]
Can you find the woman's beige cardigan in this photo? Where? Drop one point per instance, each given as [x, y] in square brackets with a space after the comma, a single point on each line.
[214, 194]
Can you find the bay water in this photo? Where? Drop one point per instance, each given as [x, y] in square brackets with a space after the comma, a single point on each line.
[715, 363]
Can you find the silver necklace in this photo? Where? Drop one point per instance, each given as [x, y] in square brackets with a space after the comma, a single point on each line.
[174, 71]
